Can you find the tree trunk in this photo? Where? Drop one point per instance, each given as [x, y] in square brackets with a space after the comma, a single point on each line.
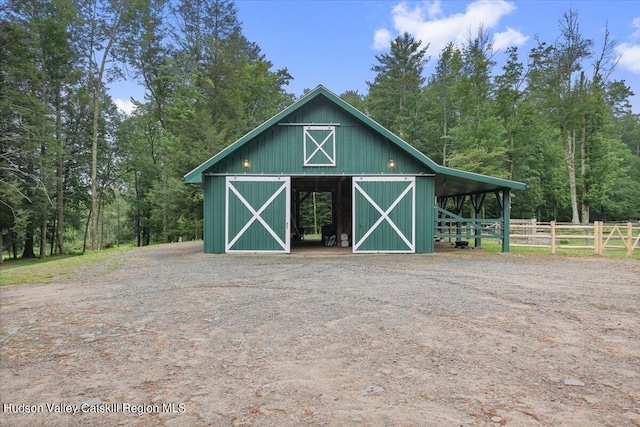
[165, 227]
[118, 220]
[28, 243]
[146, 235]
[86, 231]
[195, 221]
[445, 129]
[512, 142]
[97, 90]
[59, 180]
[569, 150]
[583, 172]
[14, 245]
[137, 217]
[94, 166]
[101, 222]
[315, 215]
[43, 239]
[53, 238]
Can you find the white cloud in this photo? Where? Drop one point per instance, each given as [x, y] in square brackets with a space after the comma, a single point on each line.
[381, 39]
[508, 38]
[434, 10]
[126, 107]
[426, 22]
[629, 56]
[636, 24]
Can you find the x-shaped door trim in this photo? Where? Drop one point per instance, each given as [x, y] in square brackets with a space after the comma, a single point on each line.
[384, 215]
[256, 214]
[320, 145]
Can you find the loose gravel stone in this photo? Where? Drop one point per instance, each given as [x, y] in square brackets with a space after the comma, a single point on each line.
[372, 389]
[573, 382]
[206, 416]
[219, 336]
[92, 402]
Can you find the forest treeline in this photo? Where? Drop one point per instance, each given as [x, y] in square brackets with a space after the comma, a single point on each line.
[75, 172]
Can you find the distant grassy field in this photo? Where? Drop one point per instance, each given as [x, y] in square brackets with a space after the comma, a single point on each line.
[492, 245]
[49, 269]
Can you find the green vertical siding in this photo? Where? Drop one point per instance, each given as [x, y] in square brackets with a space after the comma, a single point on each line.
[214, 205]
[425, 214]
[359, 150]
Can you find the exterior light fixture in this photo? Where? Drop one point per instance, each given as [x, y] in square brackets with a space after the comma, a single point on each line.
[246, 164]
[391, 164]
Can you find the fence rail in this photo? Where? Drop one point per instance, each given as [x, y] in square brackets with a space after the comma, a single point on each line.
[597, 236]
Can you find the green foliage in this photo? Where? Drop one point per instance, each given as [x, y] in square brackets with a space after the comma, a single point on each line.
[442, 103]
[552, 120]
[571, 137]
[206, 87]
[315, 211]
[395, 96]
[355, 99]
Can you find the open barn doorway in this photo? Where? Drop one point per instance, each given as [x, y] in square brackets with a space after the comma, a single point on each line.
[321, 213]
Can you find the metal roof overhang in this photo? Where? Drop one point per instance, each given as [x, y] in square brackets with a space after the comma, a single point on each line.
[453, 182]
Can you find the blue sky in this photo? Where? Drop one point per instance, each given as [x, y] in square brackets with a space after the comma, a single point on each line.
[334, 43]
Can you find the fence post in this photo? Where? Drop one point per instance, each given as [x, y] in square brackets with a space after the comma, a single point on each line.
[553, 237]
[629, 242]
[595, 237]
[534, 231]
[600, 238]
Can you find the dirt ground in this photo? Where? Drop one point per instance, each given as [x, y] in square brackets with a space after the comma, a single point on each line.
[169, 336]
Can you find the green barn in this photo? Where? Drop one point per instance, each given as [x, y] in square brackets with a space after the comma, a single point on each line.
[387, 197]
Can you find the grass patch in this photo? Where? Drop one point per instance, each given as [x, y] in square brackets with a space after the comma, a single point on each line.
[492, 245]
[53, 268]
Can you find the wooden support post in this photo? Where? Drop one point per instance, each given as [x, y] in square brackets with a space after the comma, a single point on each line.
[337, 200]
[477, 200]
[297, 211]
[629, 242]
[506, 216]
[459, 202]
[442, 226]
[553, 237]
[596, 233]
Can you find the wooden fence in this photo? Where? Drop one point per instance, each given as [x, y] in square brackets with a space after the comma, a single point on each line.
[597, 236]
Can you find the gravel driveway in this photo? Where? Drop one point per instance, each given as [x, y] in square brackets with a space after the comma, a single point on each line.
[167, 335]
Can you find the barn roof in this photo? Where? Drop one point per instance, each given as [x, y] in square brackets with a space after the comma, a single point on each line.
[449, 182]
